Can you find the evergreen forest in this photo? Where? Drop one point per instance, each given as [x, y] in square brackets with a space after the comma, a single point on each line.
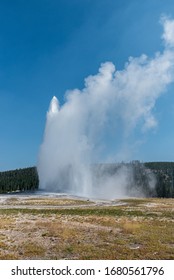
[19, 180]
[142, 174]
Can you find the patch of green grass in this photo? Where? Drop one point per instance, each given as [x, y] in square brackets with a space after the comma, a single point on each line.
[105, 211]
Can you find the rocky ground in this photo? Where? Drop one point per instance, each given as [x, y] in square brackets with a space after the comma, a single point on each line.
[62, 227]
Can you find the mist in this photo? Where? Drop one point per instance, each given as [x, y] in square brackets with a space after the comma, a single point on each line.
[95, 124]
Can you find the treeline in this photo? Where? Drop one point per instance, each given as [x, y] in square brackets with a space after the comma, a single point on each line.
[150, 179]
[25, 179]
[164, 174]
[153, 179]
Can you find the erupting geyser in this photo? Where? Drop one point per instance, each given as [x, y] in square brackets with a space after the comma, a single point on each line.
[94, 124]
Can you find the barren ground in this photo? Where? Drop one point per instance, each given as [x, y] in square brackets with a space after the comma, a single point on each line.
[50, 227]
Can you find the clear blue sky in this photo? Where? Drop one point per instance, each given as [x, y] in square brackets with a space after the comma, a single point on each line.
[49, 46]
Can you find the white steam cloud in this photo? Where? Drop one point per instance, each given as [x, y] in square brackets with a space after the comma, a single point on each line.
[88, 127]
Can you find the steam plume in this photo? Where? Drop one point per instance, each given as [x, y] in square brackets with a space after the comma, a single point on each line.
[93, 122]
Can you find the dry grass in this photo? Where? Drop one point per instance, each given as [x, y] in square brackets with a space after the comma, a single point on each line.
[130, 227]
[130, 231]
[40, 201]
